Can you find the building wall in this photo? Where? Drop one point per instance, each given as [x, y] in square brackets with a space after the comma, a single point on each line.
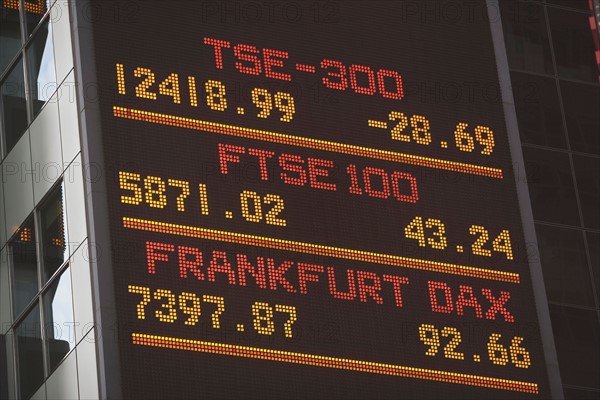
[47, 323]
[555, 76]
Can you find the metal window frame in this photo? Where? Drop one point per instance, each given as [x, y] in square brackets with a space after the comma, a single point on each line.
[38, 299]
[26, 40]
[524, 202]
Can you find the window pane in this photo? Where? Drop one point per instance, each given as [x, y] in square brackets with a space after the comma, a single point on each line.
[526, 36]
[594, 247]
[578, 4]
[578, 394]
[574, 47]
[581, 103]
[551, 186]
[560, 247]
[6, 369]
[576, 333]
[538, 111]
[34, 11]
[53, 233]
[587, 172]
[58, 312]
[24, 264]
[40, 57]
[13, 106]
[29, 353]
[10, 32]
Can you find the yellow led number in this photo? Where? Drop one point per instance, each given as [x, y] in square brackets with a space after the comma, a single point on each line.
[500, 244]
[421, 133]
[497, 353]
[430, 336]
[191, 305]
[129, 181]
[252, 211]
[185, 192]
[215, 95]
[466, 142]
[168, 87]
[284, 102]
[153, 190]
[263, 318]
[146, 297]
[220, 302]
[188, 303]
[432, 233]
[436, 237]
[146, 87]
[168, 312]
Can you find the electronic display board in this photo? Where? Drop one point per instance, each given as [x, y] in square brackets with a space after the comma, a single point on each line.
[313, 199]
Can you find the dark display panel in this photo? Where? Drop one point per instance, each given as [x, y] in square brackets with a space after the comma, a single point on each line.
[313, 200]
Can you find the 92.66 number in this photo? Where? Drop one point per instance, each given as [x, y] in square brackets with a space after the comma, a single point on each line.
[497, 353]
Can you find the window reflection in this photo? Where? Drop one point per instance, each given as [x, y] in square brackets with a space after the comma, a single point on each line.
[587, 173]
[24, 264]
[526, 36]
[53, 235]
[538, 110]
[13, 106]
[580, 394]
[58, 313]
[576, 333]
[40, 56]
[30, 353]
[560, 247]
[551, 186]
[34, 12]
[578, 4]
[574, 47]
[594, 247]
[582, 102]
[5, 363]
[10, 34]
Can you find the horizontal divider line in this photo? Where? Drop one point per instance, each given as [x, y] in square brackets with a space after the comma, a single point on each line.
[332, 362]
[299, 141]
[317, 249]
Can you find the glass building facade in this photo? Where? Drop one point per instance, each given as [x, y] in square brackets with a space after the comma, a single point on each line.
[553, 54]
[47, 313]
[47, 346]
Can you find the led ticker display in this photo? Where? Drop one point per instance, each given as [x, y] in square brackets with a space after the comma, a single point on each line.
[37, 7]
[318, 204]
